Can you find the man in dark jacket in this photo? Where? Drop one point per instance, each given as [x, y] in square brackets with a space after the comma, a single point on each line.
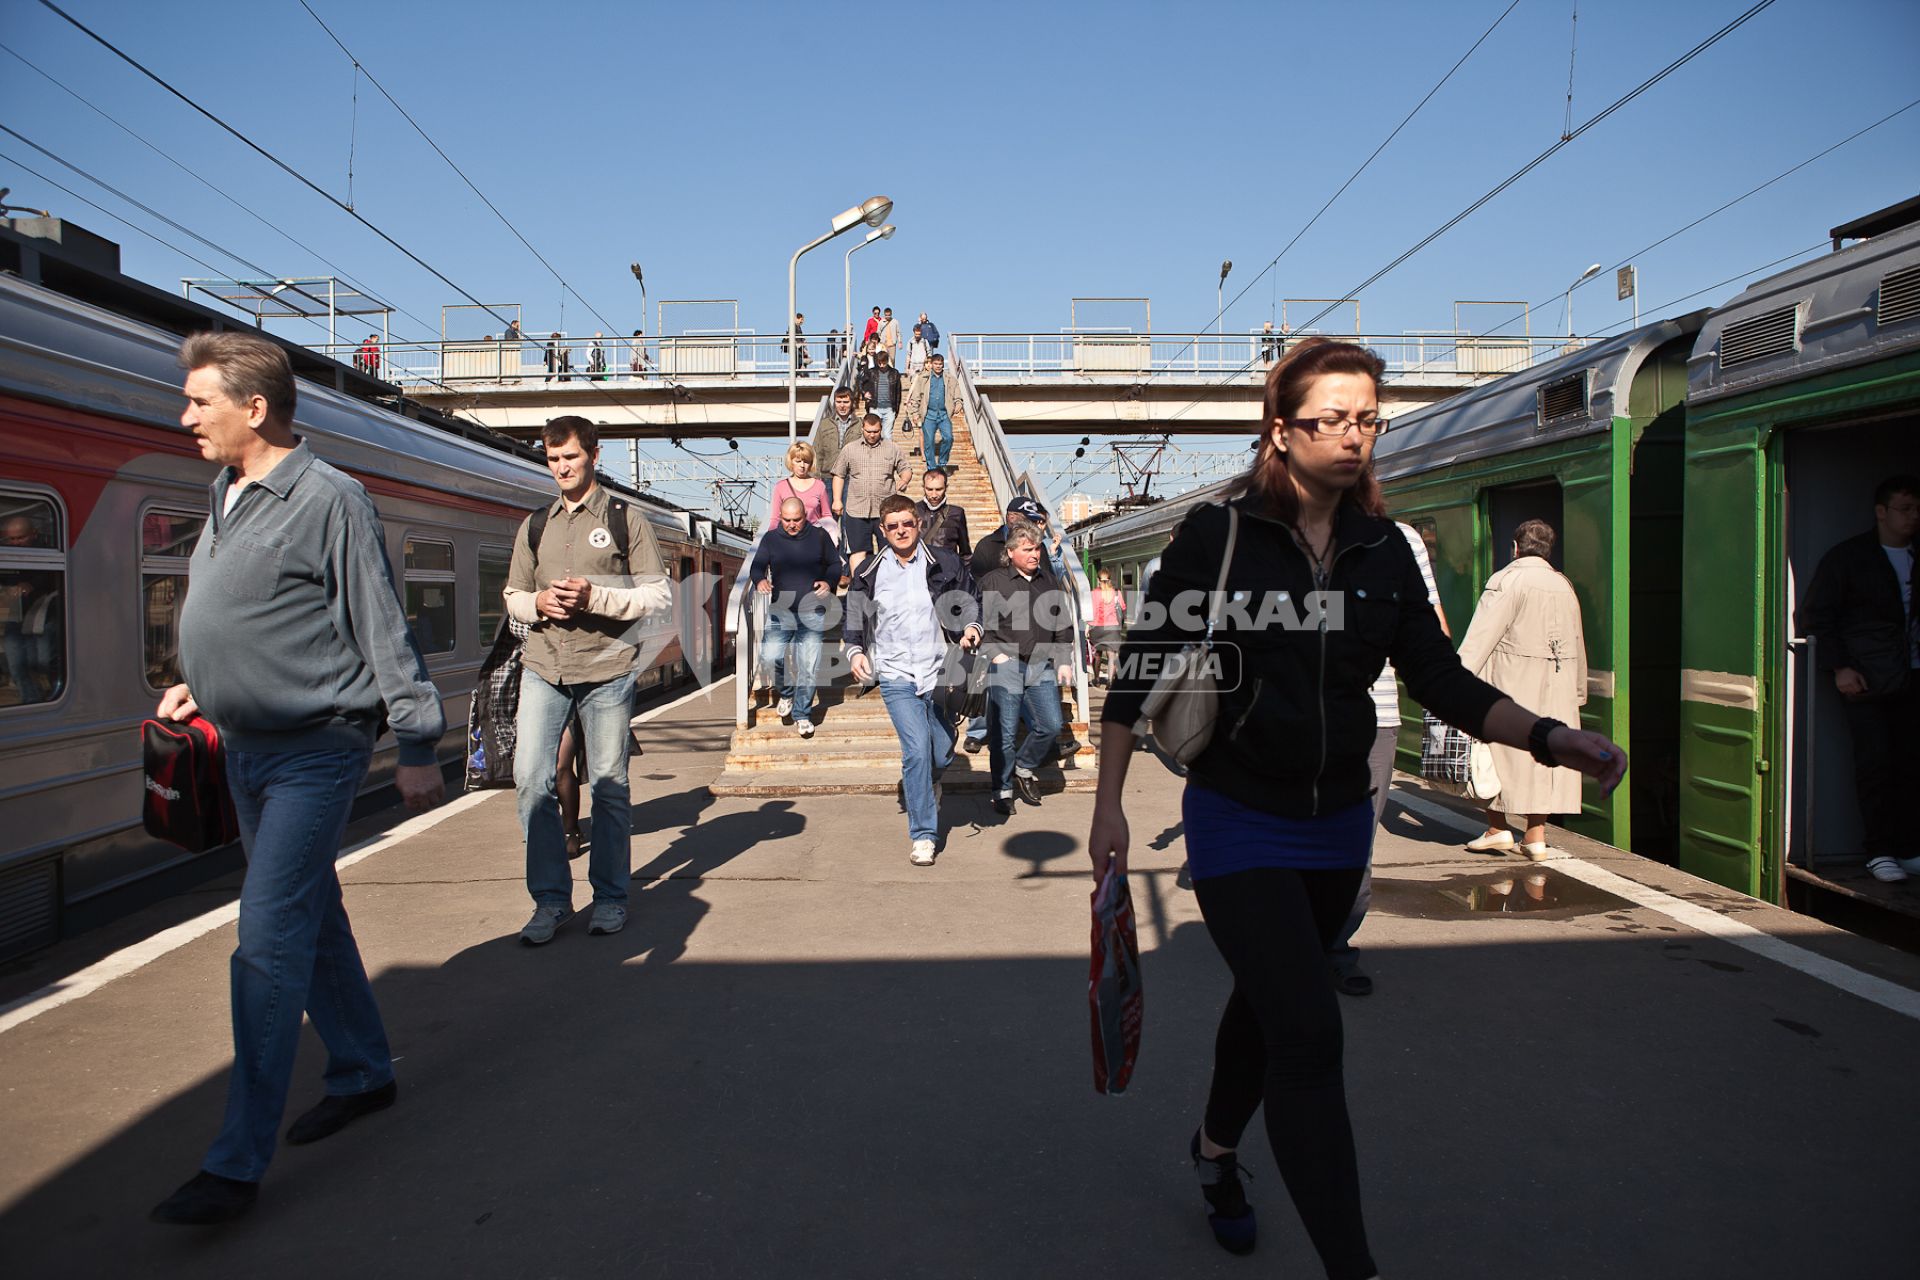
[1862, 615]
[1029, 642]
[904, 606]
[795, 567]
[880, 388]
[989, 555]
[943, 524]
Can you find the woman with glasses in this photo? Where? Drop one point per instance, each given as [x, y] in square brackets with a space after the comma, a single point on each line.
[1321, 590]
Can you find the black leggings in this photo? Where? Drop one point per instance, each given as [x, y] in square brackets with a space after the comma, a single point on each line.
[1280, 1043]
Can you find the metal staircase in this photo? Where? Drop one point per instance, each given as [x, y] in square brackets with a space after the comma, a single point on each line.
[853, 748]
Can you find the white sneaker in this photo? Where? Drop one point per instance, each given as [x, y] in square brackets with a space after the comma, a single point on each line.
[1886, 870]
[1487, 843]
[783, 708]
[805, 727]
[1536, 850]
[921, 855]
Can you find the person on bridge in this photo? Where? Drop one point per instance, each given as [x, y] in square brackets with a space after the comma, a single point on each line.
[890, 334]
[797, 568]
[836, 432]
[1526, 640]
[1029, 643]
[869, 471]
[943, 524]
[932, 402]
[905, 606]
[929, 332]
[880, 389]
[872, 331]
[1320, 591]
[917, 353]
[294, 645]
[583, 588]
[1864, 616]
[637, 361]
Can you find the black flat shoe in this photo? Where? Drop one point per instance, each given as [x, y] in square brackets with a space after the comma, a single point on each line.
[1353, 984]
[335, 1113]
[206, 1200]
[1003, 805]
[1028, 789]
[1228, 1213]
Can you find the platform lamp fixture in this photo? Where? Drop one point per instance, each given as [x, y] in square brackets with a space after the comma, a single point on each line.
[878, 233]
[873, 212]
[640, 278]
[1585, 276]
[1219, 293]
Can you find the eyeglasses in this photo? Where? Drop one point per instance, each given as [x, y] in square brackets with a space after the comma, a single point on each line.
[901, 528]
[1369, 424]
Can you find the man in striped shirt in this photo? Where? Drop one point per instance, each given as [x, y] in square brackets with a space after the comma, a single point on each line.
[1345, 957]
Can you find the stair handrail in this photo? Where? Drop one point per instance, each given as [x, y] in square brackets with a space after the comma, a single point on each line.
[745, 617]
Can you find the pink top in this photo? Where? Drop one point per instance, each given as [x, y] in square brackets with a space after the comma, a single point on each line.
[814, 499]
[1107, 606]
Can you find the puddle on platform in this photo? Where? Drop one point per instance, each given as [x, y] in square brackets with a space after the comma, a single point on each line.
[1516, 892]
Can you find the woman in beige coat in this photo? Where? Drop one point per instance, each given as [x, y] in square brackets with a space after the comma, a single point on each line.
[1526, 641]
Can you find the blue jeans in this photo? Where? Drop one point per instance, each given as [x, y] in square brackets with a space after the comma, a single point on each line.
[605, 709]
[937, 432]
[1017, 690]
[296, 949]
[886, 421]
[793, 676]
[926, 747]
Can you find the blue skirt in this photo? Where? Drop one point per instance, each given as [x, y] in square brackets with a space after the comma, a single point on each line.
[1225, 836]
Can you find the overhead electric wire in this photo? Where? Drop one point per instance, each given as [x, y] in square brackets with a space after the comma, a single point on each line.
[1616, 105]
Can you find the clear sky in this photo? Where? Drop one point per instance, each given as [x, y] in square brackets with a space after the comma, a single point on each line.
[1035, 152]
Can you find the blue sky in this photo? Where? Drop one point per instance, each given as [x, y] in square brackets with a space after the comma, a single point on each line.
[1035, 152]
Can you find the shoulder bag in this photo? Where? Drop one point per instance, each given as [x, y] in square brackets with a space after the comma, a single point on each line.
[1184, 702]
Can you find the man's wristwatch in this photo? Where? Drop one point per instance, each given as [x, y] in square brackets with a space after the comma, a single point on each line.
[1537, 740]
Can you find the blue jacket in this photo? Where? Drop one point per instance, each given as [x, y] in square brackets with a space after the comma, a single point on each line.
[956, 600]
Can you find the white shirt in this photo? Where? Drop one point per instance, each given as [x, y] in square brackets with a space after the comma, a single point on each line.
[907, 644]
[1901, 558]
[1386, 693]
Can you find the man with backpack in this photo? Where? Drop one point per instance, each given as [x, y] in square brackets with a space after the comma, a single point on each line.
[585, 572]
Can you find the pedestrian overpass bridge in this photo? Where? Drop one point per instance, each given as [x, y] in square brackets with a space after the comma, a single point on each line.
[1079, 383]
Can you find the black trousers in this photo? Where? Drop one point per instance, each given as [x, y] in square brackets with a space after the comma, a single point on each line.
[1886, 764]
[1280, 1042]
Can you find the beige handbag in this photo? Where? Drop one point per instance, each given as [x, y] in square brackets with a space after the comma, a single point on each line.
[1184, 702]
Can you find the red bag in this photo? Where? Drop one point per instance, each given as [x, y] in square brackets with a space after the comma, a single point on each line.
[187, 801]
[1113, 988]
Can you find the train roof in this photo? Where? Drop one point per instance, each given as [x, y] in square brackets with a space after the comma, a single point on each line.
[1158, 521]
[84, 336]
[1850, 307]
[1571, 395]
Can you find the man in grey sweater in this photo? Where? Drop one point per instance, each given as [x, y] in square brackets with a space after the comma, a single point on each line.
[294, 645]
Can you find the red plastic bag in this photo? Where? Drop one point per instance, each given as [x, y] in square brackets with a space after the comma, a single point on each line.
[1114, 994]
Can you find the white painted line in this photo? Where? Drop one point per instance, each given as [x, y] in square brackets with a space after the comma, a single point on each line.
[145, 952]
[1701, 919]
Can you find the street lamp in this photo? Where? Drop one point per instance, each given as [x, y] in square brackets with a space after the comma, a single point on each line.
[873, 212]
[1220, 292]
[1585, 276]
[878, 233]
[641, 277]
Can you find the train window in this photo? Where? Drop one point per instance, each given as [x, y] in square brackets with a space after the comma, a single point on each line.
[167, 539]
[33, 594]
[430, 594]
[494, 562]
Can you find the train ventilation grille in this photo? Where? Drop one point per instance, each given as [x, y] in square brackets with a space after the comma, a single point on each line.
[29, 907]
[1564, 398]
[1899, 296]
[1775, 333]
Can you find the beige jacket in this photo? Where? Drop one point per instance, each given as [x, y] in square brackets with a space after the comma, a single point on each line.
[915, 409]
[1526, 640]
[601, 643]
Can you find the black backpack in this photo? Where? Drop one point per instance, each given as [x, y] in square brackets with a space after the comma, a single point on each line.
[616, 527]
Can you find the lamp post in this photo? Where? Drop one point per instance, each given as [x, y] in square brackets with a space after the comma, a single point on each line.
[873, 212]
[878, 233]
[1219, 293]
[1585, 276]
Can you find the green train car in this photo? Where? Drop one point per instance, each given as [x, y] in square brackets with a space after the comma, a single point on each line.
[1696, 469]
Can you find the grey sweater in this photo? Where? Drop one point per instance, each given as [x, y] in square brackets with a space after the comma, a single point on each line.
[291, 637]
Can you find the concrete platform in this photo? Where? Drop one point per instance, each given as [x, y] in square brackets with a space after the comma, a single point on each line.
[807, 1057]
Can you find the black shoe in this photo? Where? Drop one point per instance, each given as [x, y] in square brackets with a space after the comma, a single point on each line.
[1003, 805]
[973, 745]
[206, 1200]
[1352, 984]
[1228, 1212]
[1028, 789]
[336, 1112]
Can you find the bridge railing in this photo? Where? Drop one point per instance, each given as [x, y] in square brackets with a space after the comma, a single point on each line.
[693, 357]
[990, 443]
[1121, 356]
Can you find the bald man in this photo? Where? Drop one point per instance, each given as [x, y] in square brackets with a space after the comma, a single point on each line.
[795, 569]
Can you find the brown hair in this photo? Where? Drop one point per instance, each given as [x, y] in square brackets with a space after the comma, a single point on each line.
[570, 427]
[1533, 538]
[1269, 482]
[249, 366]
[895, 502]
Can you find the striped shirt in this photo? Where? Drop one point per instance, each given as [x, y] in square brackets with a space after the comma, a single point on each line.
[1386, 690]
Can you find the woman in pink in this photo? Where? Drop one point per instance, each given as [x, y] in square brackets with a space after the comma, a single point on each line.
[1109, 607]
[801, 483]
